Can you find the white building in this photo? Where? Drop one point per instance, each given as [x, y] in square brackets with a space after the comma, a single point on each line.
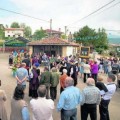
[14, 32]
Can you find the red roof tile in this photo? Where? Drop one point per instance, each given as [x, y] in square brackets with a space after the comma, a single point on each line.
[53, 31]
[14, 29]
[53, 41]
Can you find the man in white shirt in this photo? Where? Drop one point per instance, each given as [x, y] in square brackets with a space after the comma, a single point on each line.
[42, 108]
[104, 113]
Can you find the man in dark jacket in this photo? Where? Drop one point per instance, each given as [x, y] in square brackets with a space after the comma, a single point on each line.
[46, 77]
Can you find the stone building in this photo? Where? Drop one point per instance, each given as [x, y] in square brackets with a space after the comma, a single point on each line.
[53, 46]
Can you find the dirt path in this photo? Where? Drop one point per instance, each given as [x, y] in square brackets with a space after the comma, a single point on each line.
[9, 83]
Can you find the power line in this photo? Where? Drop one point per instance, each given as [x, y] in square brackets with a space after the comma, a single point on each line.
[23, 14]
[108, 8]
[113, 30]
[92, 12]
[103, 11]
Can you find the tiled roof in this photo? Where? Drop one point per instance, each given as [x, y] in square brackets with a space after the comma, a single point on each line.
[53, 41]
[53, 31]
[14, 29]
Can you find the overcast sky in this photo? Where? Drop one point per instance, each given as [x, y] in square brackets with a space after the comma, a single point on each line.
[63, 13]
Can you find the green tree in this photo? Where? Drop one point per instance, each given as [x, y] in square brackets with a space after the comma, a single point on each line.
[15, 25]
[27, 30]
[39, 34]
[63, 36]
[2, 33]
[89, 37]
[85, 36]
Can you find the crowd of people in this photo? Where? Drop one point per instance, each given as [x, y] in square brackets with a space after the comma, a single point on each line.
[64, 71]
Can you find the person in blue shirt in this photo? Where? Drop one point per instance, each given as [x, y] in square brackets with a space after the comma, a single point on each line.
[69, 99]
[22, 75]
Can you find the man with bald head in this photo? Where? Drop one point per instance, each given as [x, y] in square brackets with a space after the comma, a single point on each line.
[69, 99]
[42, 108]
[91, 98]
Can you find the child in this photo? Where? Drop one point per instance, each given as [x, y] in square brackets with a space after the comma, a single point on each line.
[101, 86]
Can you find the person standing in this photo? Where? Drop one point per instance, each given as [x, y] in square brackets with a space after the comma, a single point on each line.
[42, 108]
[101, 86]
[11, 59]
[69, 99]
[105, 65]
[91, 98]
[62, 80]
[22, 75]
[28, 63]
[81, 69]
[34, 60]
[45, 80]
[103, 107]
[3, 113]
[19, 109]
[54, 82]
[72, 73]
[86, 68]
[94, 71]
[34, 81]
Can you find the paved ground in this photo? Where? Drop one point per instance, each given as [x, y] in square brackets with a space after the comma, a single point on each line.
[9, 83]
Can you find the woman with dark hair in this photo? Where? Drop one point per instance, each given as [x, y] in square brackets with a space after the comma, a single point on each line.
[19, 110]
[3, 113]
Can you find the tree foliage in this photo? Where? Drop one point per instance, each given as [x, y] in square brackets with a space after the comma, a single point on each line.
[63, 36]
[15, 25]
[89, 37]
[39, 34]
[27, 30]
[2, 34]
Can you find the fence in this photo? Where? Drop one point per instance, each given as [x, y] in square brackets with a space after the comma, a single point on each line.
[10, 49]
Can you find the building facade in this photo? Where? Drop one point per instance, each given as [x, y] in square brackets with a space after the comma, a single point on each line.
[53, 46]
[54, 33]
[14, 32]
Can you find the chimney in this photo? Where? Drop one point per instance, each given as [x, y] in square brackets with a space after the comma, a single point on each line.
[59, 29]
[41, 28]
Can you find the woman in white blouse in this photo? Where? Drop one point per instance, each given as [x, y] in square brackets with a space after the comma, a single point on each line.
[86, 71]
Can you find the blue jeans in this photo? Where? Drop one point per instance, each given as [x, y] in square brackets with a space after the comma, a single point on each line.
[105, 69]
[69, 114]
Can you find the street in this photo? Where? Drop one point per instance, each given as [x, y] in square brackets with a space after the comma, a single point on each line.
[9, 83]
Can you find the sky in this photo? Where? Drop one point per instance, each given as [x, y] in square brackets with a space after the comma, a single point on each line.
[63, 13]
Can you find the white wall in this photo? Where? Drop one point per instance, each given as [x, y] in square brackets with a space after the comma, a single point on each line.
[69, 50]
[13, 33]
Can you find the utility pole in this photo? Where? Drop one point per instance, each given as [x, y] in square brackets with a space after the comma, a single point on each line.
[65, 30]
[50, 27]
